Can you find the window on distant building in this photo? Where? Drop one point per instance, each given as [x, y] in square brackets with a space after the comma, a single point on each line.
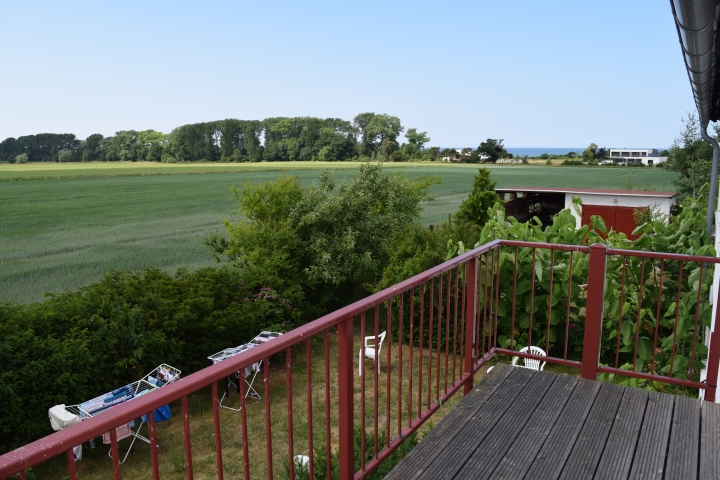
[644, 154]
[650, 162]
[625, 154]
[615, 154]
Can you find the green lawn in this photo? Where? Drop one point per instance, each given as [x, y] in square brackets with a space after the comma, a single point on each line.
[66, 225]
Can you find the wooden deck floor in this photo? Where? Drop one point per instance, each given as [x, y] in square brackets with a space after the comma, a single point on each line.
[518, 423]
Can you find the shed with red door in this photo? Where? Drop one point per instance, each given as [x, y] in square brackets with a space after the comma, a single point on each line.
[616, 207]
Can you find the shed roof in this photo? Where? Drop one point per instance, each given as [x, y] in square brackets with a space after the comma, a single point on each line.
[635, 193]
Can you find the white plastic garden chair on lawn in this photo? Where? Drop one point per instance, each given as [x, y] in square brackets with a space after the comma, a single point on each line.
[529, 362]
[368, 350]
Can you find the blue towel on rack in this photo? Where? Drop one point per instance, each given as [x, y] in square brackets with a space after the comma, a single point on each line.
[160, 414]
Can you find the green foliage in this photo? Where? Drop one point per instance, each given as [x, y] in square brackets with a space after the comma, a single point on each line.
[76, 345]
[640, 295]
[474, 208]
[491, 150]
[588, 154]
[22, 158]
[327, 241]
[691, 157]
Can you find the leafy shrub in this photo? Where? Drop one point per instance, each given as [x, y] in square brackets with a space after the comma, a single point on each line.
[77, 345]
[640, 296]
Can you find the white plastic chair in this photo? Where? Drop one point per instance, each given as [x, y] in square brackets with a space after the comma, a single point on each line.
[528, 362]
[369, 351]
[302, 462]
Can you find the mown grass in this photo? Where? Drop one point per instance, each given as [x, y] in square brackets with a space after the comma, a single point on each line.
[96, 464]
[75, 222]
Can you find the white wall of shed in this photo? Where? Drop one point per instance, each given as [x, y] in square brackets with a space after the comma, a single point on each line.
[662, 203]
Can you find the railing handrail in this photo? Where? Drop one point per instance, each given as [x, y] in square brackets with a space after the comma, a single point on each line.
[60, 442]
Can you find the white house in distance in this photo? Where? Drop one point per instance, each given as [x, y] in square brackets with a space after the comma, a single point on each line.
[616, 207]
[636, 155]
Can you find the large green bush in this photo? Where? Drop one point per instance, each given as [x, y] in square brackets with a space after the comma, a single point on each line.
[77, 345]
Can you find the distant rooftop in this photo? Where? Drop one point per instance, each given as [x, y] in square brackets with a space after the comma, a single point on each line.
[642, 193]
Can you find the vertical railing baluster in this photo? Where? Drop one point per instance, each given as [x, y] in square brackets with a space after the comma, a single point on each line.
[400, 363]
[153, 445]
[387, 365]
[216, 423]
[455, 324]
[420, 348]
[72, 468]
[550, 296]
[594, 312]
[512, 315]
[288, 388]
[567, 311]
[481, 349]
[620, 313]
[470, 309]
[463, 320]
[115, 454]
[532, 298]
[639, 311]
[346, 407]
[677, 316]
[447, 329]
[697, 317]
[376, 374]
[308, 380]
[438, 342]
[268, 420]
[411, 334]
[657, 316]
[430, 340]
[362, 393]
[328, 446]
[186, 437]
[244, 428]
[497, 296]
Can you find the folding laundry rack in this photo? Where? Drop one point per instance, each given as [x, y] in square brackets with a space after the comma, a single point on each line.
[249, 373]
[62, 416]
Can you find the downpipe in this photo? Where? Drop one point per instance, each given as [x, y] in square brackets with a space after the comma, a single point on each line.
[713, 177]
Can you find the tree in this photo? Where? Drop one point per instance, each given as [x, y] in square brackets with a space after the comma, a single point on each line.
[691, 157]
[64, 156]
[589, 153]
[328, 241]
[491, 150]
[22, 158]
[417, 138]
[474, 209]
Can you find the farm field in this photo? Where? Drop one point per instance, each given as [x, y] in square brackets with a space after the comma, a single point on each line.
[66, 225]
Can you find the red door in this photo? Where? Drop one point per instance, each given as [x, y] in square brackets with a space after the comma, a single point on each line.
[620, 219]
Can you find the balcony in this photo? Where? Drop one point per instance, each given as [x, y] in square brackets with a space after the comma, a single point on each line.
[621, 316]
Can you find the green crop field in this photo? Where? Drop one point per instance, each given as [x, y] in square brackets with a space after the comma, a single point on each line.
[66, 225]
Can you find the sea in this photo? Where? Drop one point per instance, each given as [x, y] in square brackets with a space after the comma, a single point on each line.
[536, 152]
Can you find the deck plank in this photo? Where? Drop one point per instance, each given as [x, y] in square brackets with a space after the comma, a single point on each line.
[682, 461]
[517, 460]
[710, 442]
[619, 450]
[478, 426]
[559, 443]
[585, 456]
[414, 464]
[649, 460]
[492, 449]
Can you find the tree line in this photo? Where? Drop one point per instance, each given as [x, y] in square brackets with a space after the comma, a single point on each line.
[368, 136]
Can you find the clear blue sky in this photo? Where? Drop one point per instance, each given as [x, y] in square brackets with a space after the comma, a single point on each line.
[560, 73]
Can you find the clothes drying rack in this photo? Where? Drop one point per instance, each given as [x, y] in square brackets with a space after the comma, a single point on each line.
[162, 375]
[249, 374]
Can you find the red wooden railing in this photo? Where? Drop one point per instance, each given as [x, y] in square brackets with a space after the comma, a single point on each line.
[443, 325]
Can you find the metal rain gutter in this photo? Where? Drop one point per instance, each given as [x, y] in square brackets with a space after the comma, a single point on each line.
[696, 26]
[695, 22]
